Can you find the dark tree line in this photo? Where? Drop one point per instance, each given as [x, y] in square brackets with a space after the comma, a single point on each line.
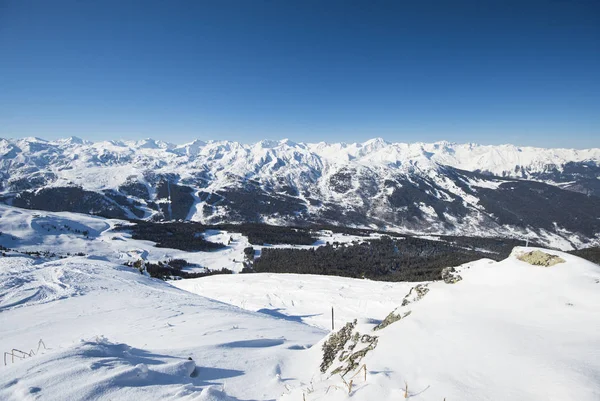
[386, 259]
[187, 233]
[500, 248]
[173, 268]
[260, 234]
[591, 254]
[184, 236]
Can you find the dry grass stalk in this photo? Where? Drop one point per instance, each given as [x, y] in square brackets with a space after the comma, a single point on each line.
[332, 386]
[363, 368]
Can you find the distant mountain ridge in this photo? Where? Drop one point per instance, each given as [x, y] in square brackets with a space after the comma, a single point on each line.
[437, 187]
[499, 160]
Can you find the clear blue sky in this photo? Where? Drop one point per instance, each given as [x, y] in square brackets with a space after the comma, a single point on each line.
[523, 72]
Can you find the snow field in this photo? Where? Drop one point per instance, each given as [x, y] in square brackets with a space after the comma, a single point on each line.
[150, 329]
[303, 298]
[507, 331]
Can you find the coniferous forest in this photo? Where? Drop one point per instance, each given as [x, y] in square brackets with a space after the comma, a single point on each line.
[386, 259]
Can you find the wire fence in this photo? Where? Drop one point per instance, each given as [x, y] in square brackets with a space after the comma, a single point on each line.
[17, 353]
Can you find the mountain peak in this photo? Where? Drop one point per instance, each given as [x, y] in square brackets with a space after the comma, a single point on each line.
[267, 144]
[72, 140]
[34, 139]
[287, 142]
[376, 141]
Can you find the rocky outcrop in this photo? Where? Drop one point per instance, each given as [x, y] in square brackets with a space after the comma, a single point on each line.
[347, 346]
[415, 294]
[450, 276]
[350, 357]
[393, 317]
[336, 343]
[539, 258]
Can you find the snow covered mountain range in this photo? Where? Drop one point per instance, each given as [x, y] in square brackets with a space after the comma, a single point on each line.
[77, 323]
[438, 187]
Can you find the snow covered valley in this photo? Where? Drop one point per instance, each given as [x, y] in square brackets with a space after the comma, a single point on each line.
[507, 330]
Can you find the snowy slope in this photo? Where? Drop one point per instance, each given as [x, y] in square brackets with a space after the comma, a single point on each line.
[305, 298]
[508, 330]
[137, 334]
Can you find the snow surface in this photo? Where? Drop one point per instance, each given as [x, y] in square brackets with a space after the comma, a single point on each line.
[507, 331]
[302, 297]
[113, 333]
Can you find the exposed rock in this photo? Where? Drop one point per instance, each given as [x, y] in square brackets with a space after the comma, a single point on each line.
[450, 276]
[539, 258]
[352, 358]
[351, 347]
[389, 319]
[336, 343]
[415, 294]
[420, 291]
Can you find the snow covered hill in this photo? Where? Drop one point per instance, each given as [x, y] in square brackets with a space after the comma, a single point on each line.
[432, 188]
[303, 297]
[507, 330]
[113, 333]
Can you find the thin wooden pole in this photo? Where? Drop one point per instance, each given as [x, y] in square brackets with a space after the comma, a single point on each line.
[332, 325]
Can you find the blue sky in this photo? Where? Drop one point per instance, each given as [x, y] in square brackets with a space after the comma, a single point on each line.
[486, 71]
